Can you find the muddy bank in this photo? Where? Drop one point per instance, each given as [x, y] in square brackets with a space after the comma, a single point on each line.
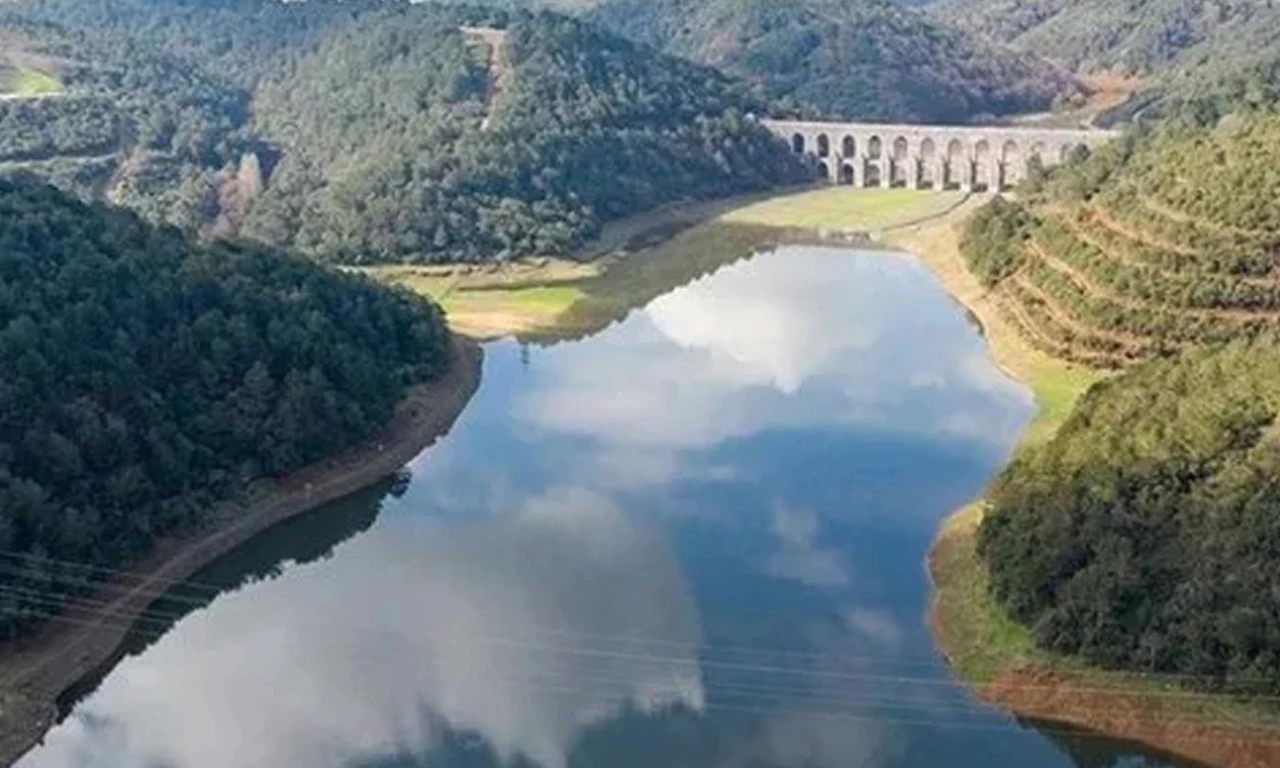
[34, 672]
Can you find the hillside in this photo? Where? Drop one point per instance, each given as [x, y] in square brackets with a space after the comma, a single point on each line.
[396, 149]
[147, 378]
[855, 59]
[1148, 248]
[1215, 52]
[219, 117]
[1143, 536]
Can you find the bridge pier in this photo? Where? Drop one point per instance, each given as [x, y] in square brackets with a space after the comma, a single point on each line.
[956, 156]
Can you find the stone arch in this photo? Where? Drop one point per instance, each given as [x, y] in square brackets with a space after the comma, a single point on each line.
[1037, 150]
[873, 175]
[958, 166]
[848, 147]
[824, 171]
[928, 163]
[846, 173]
[1011, 168]
[824, 145]
[797, 144]
[899, 163]
[875, 148]
[982, 176]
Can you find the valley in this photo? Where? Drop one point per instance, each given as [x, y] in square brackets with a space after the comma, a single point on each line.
[541, 383]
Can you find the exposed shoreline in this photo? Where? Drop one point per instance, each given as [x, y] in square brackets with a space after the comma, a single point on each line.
[1023, 681]
[34, 672]
[1012, 674]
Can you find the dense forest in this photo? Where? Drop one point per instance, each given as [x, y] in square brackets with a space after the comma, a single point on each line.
[1154, 244]
[400, 143]
[853, 59]
[1196, 56]
[1146, 534]
[375, 130]
[146, 377]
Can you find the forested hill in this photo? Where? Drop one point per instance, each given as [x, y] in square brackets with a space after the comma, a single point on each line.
[1214, 53]
[146, 378]
[374, 130]
[1145, 535]
[1151, 246]
[399, 141]
[854, 59]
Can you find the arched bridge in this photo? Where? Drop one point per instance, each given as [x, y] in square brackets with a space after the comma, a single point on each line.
[930, 156]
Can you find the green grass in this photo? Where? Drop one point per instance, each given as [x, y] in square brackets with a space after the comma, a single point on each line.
[25, 81]
[845, 209]
[977, 634]
[545, 300]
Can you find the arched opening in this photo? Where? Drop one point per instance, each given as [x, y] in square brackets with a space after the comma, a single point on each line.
[873, 175]
[1037, 150]
[899, 166]
[982, 178]
[1010, 164]
[957, 171]
[797, 144]
[824, 171]
[874, 148]
[928, 164]
[824, 145]
[848, 147]
[846, 173]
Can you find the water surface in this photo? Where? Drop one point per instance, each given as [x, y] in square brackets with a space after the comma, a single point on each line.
[694, 539]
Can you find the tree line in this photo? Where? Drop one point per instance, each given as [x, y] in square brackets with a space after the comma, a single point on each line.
[147, 378]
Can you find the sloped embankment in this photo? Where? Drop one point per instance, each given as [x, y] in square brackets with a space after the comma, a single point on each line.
[1134, 254]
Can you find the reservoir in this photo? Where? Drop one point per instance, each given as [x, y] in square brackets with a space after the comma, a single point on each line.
[693, 539]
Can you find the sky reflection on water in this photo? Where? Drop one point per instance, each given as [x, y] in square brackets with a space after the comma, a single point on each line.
[693, 540]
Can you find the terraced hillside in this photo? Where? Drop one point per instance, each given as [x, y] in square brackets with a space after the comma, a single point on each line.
[1195, 56]
[1147, 248]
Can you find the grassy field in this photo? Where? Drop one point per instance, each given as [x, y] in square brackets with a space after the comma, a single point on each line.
[846, 209]
[24, 81]
[487, 301]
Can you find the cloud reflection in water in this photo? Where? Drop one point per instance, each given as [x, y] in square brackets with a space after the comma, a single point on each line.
[362, 655]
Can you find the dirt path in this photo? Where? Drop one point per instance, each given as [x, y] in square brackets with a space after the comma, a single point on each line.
[1130, 343]
[1081, 233]
[35, 671]
[1169, 212]
[1103, 218]
[1091, 289]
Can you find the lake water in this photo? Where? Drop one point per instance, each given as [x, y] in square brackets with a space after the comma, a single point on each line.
[695, 539]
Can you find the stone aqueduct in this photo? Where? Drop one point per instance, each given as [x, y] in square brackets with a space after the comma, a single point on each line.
[929, 156]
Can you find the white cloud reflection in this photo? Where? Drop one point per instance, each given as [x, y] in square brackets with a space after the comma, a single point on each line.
[338, 661]
[799, 557]
[723, 357]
